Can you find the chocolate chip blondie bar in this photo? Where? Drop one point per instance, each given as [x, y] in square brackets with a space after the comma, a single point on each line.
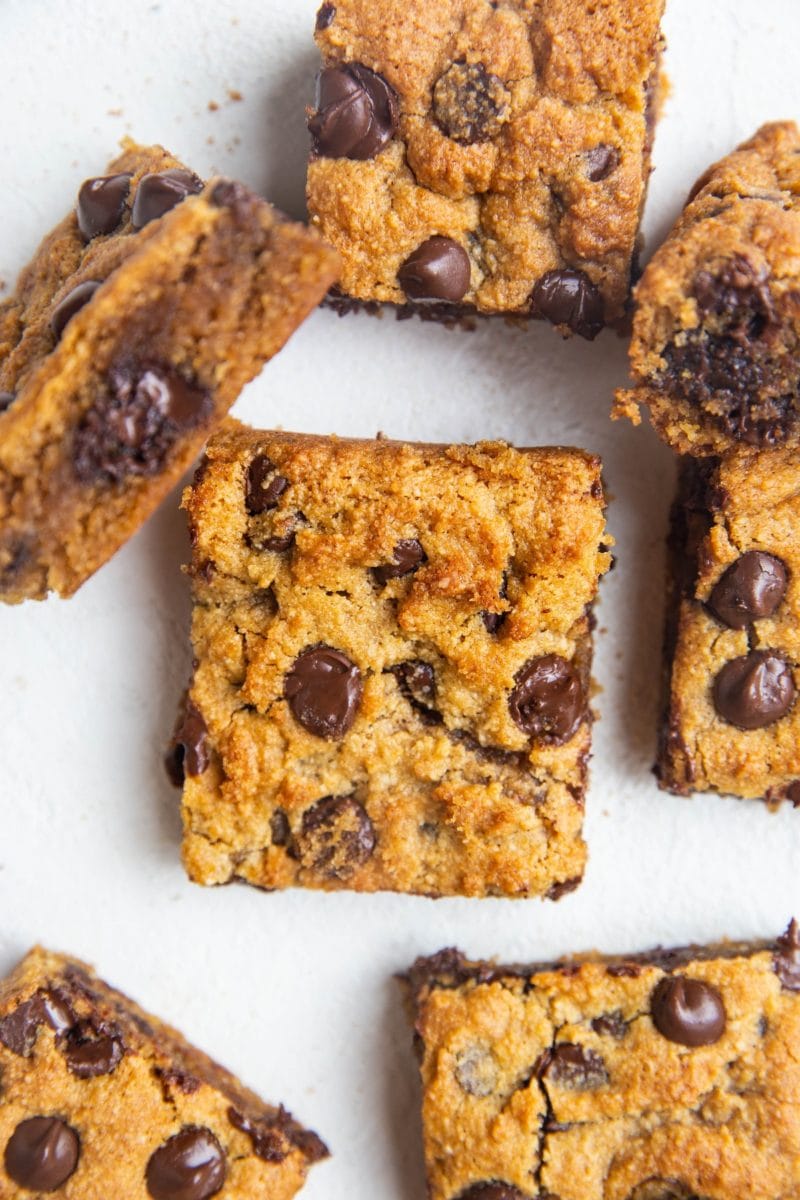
[476, 157]
[668, 1076]
[101, 1099]
[132, 331]
[732, 723]
[392, 648]
[715, 354]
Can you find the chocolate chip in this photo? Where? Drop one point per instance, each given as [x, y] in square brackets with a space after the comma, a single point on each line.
[476, 1070]
[688, 1011]
[493, 621]
[46, 1007]
[188, 752]
[751, 588]
[269, 1143]
[356, 112]
[42, 1153]
[336, 836]
[281, 543]
[611, 1025]
[324, 690]
[787, 958]
[72, 303]
[325, 15]
[408, 556]
[264, 487]
[159, 192]
[417, 682]
[624, 971]
[548, 700]
[793, 793]
[92, 1049]
[569, 298]
[754, 691]
[601, 162]
[439, 269]
[493, 1189]
[101, 204]
[563, 888]
[176, 1078]
[6, 400]
[280, 829]
[575, 1067]
[188, 1166]
[470, 104]
[134, 424]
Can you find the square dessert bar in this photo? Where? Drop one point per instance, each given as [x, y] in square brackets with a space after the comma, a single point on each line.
[669, 1076]
[715, 353]
[131, 332]
[479, 157]
[392, 648]
[732, 722]
[100, 1099]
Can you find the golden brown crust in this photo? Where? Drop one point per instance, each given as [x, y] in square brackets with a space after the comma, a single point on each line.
[742, 225]
[158, 303]
[160, 1085]
[459, 799]
[522, 202]
[718, 1120]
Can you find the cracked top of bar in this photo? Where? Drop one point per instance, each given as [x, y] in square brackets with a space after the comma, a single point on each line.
[669, 1076]
[515, 135]
[715, 354]
[393, 652]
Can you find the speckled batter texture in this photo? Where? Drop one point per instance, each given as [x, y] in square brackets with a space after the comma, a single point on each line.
[205, 294]
[524, 133]
[556, 1081]
[433, 788]
[59, 1023]
[715, 354]
[750, 502]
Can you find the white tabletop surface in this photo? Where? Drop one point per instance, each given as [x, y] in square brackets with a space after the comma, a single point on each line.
[294, 991]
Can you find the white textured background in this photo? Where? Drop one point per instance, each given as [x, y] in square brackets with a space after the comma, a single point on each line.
[294, 991]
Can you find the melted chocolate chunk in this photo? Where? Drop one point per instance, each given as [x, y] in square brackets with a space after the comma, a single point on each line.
[417, 682]
[188, 1166]
[325, 15]
[601, 162]
[47, 1007]
[439, 269]
[336, 836]
[408, 556]
[92, 1048]
[356, 113]
[493, 1189]
[567, 297]
[159, 192]
[470, 104]
[688, 1011]
[280, 829]
[273, 1136]
[787, 958]
[324, 691]
[754, 691]
[101, 204]
[6, 400]
[476, 1070]
[548, 700]
[188, 752]
[42, 1153]
[575, 1067]
[493, 621]
[264, 486]
[72, 303]
[611, 1025]
[752, 588]
[131, 428]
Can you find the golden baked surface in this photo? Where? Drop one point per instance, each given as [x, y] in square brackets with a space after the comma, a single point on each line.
[735, 599]
[100, 414]
[85, 1072]
[518, 133]
[624, 1080]
[365, 613]
[715, 354]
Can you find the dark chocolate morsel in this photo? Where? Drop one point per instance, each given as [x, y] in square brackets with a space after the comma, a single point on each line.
[751, 588]
[476, 1070]
[576, 1067]
[793, 793]
[336, 836]
[131, 428]
[264, 487]
[188, 1166]
[417, 680]
[72, 303]
[611, 1024]
[19, 1028]
[548, 699]
[568, 297]
[91, 1051]
[408, 555]
[356, 112]
[324, 689]
[325, 15]
[688, 1011]
[755, 690]
[601, 162]
[439, 269]
[101, 204]
[188, 751]
[493, 1189]
[6, 400]
[493, 620]
[564, 887]
[787, 958]
[42, 1153]
[159, 192]
[280, 829]
[470, 104]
